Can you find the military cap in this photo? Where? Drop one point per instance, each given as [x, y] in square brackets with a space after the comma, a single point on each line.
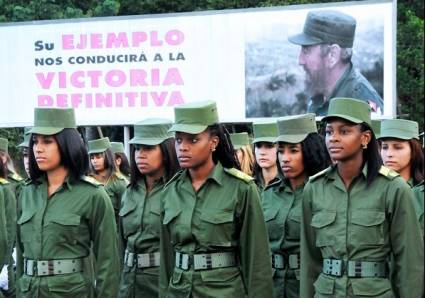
[117, 147]
[327, 26]
[4, 143]
[151, 132]
[376, 127]
[353, 110]
[296, 128]
[194, 117]
[50, 121]
[99, 145]
[27, 136]
[264, 131]
[239, 139]
[399, 129]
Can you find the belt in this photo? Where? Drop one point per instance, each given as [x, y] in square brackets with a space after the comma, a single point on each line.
[335, 267]
[52, 267]
[205, 261]
[285, 261]
[141, 260]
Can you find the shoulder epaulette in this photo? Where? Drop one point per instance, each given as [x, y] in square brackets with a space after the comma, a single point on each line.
[15, 177]
[320, 174]
[3, 181]
[239, 174]
[175, 177]
[390, 174]
[27, 181]
[91, 180]
[122, 177]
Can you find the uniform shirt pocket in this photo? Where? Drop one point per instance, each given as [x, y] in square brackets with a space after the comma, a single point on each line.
[372, 287]
[27, 227]
[293, 225]
[324, 285]
[367, 227]
[274, 226]
[323, 224]
[64, 228]
[217, 227]
[171, 221]
[129, 218]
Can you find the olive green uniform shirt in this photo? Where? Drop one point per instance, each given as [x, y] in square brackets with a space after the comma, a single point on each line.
[282, 213]
[363, 223]
[140, 232]
[224, 215]
[352, 84]
[3, 224]
[66, 225]
[418, 203]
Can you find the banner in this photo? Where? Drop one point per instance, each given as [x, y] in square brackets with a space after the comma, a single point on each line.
[120, 70]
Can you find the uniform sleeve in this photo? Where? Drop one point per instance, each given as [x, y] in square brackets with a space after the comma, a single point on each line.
[167, 257]
[105, 246]
[310, 255]
[3, 231]
[407, 244]
[10, 212]
[254, 247]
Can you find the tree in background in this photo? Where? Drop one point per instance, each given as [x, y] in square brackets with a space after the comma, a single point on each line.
[410, 35]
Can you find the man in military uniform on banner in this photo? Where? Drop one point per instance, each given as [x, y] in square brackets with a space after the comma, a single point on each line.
[326, 51]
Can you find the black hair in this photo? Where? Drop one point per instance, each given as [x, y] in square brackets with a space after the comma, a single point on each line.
[3, 170]
[371, 155]
[224, 153]
[169, 161]
[416, 161]
[124, 166]
[108, 162]
[315, 154]
[73, 154]
[258, 171]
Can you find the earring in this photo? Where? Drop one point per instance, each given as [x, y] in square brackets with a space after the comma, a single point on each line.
[364, 146]
[213, 149]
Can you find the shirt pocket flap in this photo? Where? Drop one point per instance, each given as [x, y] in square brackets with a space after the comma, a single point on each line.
[323, 219]
[295, 216]
[26, 216]
[220, 275]
[67, 220]
[367, 218]
[270, 213]
[24, 283]
[177, 276]
[324, 285]
[218, 217]
[127, 208]
[170, 215]
[370, 286]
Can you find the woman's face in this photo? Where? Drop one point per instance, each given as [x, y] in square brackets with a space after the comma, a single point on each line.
[344, 139]
[291, 160]
[148, 159]
[98, 161]
[194, 150]
[266, 154]
[396, 154]
[46, 152]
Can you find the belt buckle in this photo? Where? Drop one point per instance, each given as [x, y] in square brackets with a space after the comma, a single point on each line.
[180, 262]
[336, 267]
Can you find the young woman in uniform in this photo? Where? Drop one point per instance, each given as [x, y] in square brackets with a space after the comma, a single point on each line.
[103, 169]
[266, 166]
[213, 235]
[358, 215]
[402, 152]
[153, 163]
[242, 145]
[62, 216]
[301, 153]
[121, 160]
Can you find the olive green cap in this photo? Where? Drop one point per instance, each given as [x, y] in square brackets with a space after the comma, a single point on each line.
[376, 127]
[239, 140]
[194, 117]
[99, 145]
[50, 121]
[350, 109]
[151, 132]
[4, 143]
[327, 26]
[27, 135]
[265, 131]
[117, 147]
[399, 129]
[296, 128]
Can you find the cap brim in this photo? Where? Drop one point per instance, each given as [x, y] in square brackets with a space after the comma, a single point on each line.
[292, 139]
[394, 136]
[349, 118]
[264, 139]
[97, 151]
[188, 128]
[24, 144]
[45, 130]
[146, 141]
[304, 40]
